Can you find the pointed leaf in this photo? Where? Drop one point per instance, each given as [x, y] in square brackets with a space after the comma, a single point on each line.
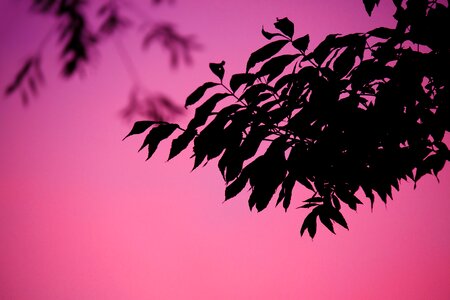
[181, 142]
[156, 135]
[301, 43]
[139, 127]
[264, 53]
[269, 35]
[275, 66]
[369, 5]
[198, 93]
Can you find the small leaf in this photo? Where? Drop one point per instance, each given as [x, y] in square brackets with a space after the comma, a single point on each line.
[265, 52]
[218, 69]
[198, 93]
[369, 5]
[269, 35]
[139, 127]
[285, 26]
[301, 43]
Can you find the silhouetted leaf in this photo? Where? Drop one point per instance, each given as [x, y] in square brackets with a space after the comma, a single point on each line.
[382, 32]
[237, 185]
[310, 223]
[336, 216]
[344, 62]
[199, 92]
[239, 79]
[275, 66]
[301, 43]
[156, 135]
[218, 69]
[323, 49]
[325, 219]
[264, 53]
[181, 142]
[369, 5]
[204, 111]
[285, 26]
[269, 35]
[139, 127]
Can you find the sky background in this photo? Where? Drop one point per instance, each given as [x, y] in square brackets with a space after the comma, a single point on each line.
[83, 216]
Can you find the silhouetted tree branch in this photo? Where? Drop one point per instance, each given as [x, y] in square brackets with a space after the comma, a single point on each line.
[360, 112]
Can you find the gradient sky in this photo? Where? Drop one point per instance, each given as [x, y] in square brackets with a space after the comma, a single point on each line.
[82, 216]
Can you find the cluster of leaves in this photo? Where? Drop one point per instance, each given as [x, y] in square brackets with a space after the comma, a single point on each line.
[77, 38]
[360, 112]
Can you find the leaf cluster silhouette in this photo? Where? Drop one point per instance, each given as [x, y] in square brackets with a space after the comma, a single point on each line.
[354, 116]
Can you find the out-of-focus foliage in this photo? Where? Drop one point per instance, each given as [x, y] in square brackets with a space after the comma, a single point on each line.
[359, 112]
[82, 25]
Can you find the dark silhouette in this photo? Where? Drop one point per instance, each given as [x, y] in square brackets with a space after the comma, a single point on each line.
[360, 112]
[77, 37]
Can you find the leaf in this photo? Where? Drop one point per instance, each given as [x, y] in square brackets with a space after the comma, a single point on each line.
[239, 79]
[336, 216]
[276, 66]
[204, 111]
[237, 185]
[325, 219]
[285, 26]
[382, 32]
[198, 93]
[181, 142]
[301, 43]
[139, 127]
[308, 205]
[286, 191]
[156, 135]
[218, 69]
[369, 5]
[323, 49]
[344, 62]
[310, 223]
[265, 52]
[269, 35]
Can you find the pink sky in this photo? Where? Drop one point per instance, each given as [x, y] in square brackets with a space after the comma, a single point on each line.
[82, 216]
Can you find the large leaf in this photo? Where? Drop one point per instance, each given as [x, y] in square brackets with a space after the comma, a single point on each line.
[265, 53]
